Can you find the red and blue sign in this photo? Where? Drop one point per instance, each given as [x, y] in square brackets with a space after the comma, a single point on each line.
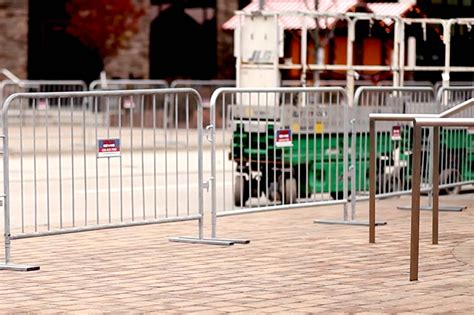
[396, 133]
[108, 148]
[283, 138]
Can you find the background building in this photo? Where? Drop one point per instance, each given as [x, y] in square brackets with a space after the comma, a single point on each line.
[176, 39]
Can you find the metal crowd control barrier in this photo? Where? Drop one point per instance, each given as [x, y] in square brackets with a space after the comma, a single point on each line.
[280, 148]
[9, 87]
[406, 83]
[438, 85]
[125, 84]
[132, 173]
[204, 87]
[416, 165]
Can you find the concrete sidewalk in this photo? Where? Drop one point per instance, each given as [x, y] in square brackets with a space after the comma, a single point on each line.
[291, 266]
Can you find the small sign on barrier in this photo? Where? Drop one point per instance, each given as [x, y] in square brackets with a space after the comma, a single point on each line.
[283, 138]
[396, 133]
[108, 148]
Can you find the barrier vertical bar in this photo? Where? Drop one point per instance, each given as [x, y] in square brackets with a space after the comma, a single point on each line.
[6, 191]
[372, 167]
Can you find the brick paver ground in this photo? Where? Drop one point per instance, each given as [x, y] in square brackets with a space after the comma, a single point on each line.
[292, 266]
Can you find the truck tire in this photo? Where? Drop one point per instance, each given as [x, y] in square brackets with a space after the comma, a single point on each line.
[289, 191]
[273, 192]
[241, 190]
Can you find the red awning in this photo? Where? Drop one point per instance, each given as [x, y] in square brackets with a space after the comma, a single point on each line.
[394, 9]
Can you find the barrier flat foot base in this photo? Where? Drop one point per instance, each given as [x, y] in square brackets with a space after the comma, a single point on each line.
[361, 223]
[236, 241]
[15, 267]
[196, 240]
[441, 208]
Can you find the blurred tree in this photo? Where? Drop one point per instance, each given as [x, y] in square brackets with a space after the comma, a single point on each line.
[103, 25]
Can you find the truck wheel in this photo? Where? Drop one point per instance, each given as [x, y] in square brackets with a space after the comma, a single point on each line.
[288, 188]
[447, 176]
[241, 190]
[274, 193]
[337, 195]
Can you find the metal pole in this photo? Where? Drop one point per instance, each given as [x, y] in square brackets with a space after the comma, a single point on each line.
[213, 171]
[200, 169]
[11, 76]
[317, 43]
[352, 169]
[401, 61]
[304, 47]
[435, 222]
[350, 71]
[396, 54]
[415, 204]
[6, 190]
[447, 52]
[372, 182]
[261, 4]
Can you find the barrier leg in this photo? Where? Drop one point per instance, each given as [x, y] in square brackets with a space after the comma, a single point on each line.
[415, 204]
[4, 204]
[435, 157]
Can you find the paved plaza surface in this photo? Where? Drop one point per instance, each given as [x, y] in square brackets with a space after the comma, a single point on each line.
[291, 266]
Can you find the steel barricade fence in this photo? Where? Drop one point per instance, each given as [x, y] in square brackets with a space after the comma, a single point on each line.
[204, 87]
[126, 84]
[410, 83]
[393, 139]
[280, 148]
[456, 144]
[8, 87]
[133, 173]
[438, 85]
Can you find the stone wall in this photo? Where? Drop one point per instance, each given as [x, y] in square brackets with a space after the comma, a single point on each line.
[14, 36]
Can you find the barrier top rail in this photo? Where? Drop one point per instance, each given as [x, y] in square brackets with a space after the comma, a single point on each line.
[219, 91]
[281, 89]
[463, 88]
[12, 97]
[363, 89]
[114, 82]
[175, 83]
[34, 83]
